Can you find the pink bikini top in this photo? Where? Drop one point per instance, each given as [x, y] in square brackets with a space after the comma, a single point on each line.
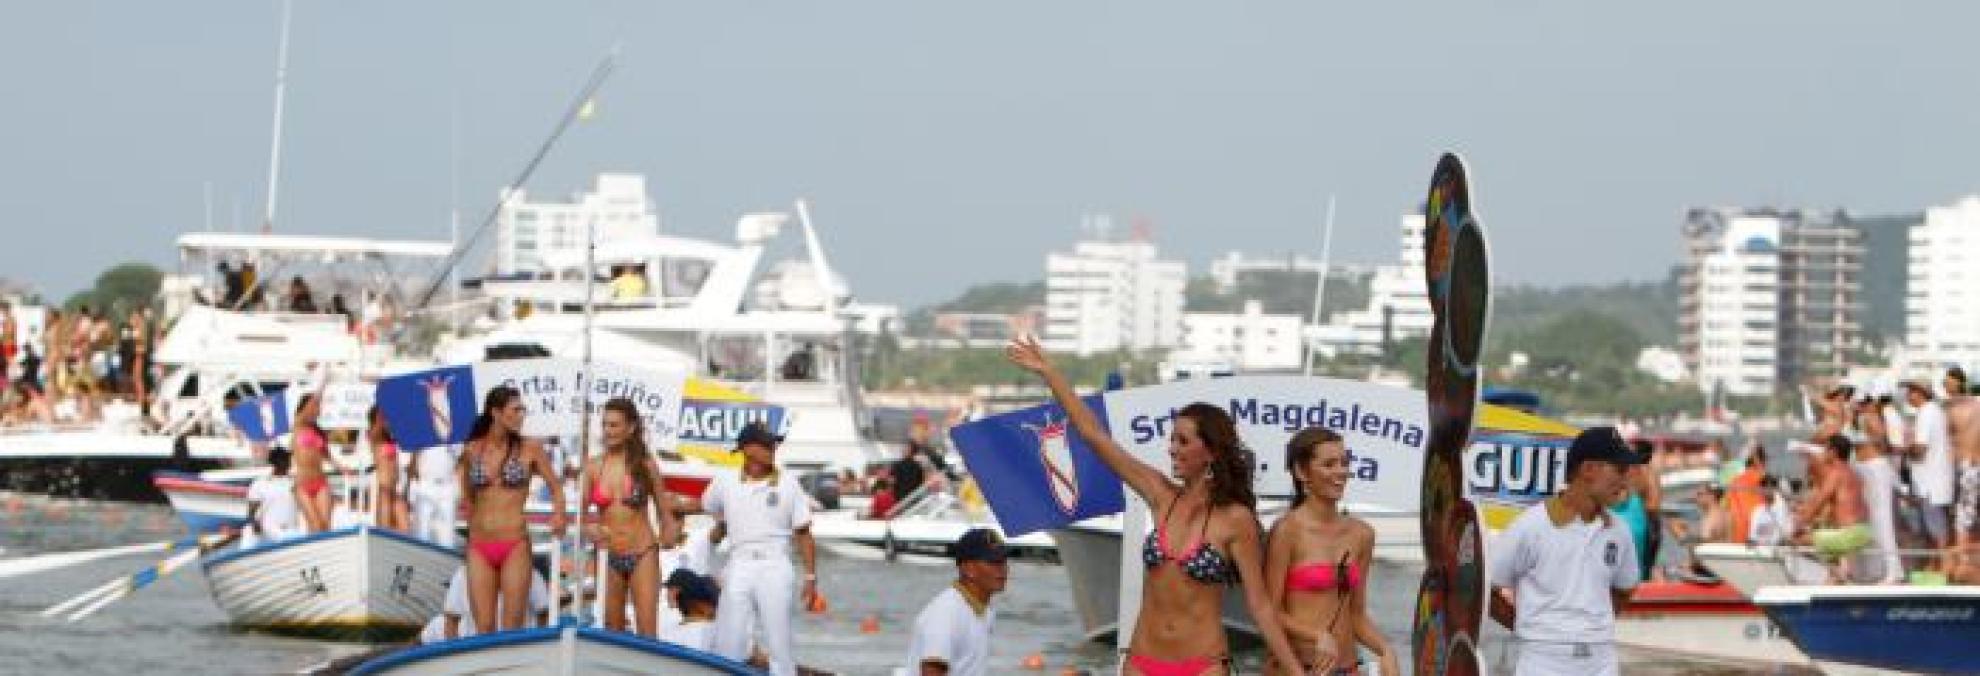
[1323, 577]
[308, 436]
[635, 497]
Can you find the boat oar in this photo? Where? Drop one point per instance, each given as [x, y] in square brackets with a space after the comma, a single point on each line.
[95, 599]
[35, 564]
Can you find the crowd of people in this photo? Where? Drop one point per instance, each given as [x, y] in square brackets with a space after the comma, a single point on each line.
[64, 366]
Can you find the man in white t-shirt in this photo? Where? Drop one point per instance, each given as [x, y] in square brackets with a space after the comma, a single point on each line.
[455, 620]
[952, 633]
[696, 596]
[271, 502]
[435, 497]
[1932, 472]
[764, 514]
[1564, 566]
[1767, 527]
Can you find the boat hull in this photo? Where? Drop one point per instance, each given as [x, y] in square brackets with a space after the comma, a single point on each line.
[1709, 621]
[355, 583]
[1910, 629]
[1749, 569]
[204, 505]
[554, 650]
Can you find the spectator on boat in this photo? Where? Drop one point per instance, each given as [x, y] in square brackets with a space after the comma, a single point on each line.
[951, 635]
[388, 504]
[54, 328]
[1743, 493]
[495, 469]
[1318, 561]
[1179, 628]
[696, 596]
[312, 452]
[26, 404]
[271, 502]
[1837, 504]
[1564, 566]
[456, 621]
[251, 284]
[434, 493]
[1963, 428]
[300, 299]
[1637, 512]
[628, 284]
[1768, 525]
[9, 344]
[1873, 463]
[907, 473]
[623, 481]
[764, 513]
[1932, 469]
[31, 369]
[882, 505]
[231, 285]
[802, 364]
[339, 308]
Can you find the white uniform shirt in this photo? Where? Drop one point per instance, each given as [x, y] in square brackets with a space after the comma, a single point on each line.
[277, 514]
[1562, 575]
[436, 466]
[761, 514]
[457, 604]
[1933, 475]
[699, 635]
[948, 630]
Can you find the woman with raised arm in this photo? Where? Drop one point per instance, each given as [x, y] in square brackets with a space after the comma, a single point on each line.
[1206, 538]
[495, 468]
[312, 451]
[1317, 564]
[623, 482]
[387, 503]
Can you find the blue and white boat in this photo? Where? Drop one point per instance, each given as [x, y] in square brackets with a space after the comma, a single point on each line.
[1881, 629]
[207, 501]
[360, 583]
[551, 651]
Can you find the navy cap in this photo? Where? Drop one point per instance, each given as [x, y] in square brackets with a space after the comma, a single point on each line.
[759, 434]
[1602, 444]
[693, 587]
[979, 544]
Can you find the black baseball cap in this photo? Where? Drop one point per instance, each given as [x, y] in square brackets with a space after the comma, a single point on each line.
[1602, 444]
[759, 434]
[979, 544]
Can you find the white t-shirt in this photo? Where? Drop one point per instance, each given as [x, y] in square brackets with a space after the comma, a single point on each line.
[699, 635]
[1764, 527]
[1933, 475]
[436, 467]
[949, 631]
[457, 604]
[1561, 576]
[277, 514]
[761, 514]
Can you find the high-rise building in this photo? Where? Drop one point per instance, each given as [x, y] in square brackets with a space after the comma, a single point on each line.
[1942, 302]
[1249, 341]
[1770, 298]
[1113, 295]
[530, 235]
[1398, 304]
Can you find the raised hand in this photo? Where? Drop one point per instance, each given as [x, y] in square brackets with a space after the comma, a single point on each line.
[1027, 354]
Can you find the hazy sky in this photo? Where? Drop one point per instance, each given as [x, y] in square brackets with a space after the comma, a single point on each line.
[944, 144]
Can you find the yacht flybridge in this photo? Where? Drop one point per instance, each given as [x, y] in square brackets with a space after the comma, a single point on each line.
[788, 336]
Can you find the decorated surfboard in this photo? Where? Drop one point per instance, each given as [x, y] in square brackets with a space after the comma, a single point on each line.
[1450, 603]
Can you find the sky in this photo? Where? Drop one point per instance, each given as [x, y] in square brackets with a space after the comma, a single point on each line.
[948, 144]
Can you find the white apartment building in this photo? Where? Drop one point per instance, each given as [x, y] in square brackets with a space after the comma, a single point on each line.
[1113, 295]
[1731, 304]
[1398, 304]
[1249, 341]
[527, 232]
[1942, 299]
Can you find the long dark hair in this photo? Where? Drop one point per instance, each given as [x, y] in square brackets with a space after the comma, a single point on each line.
[1300, 450]
[381, 430]
[303, 405]
[496, 399]
[639, 459]
[1230, 461]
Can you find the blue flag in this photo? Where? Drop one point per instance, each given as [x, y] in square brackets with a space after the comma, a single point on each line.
[429, 408]
[1035, 470]
[261, 419]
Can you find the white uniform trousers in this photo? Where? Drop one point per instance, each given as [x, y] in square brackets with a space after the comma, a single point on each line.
[758, 590]
[434, 506]
[1558, 658]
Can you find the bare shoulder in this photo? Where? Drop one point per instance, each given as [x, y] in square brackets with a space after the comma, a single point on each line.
[1360, 531]
[1236, 519]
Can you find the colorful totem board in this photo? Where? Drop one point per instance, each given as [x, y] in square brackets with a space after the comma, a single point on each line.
[1450, 602]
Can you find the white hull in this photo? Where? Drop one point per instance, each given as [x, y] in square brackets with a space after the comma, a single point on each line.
[551, 652]
[913, 534]
[53, 444]
[353, 581]
[1750, 568]
[1744, 637]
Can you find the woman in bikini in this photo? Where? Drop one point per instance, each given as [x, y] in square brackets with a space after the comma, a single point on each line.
[1316, 564]
[388, 505]
[495, 467]
[311, 451]
[1206, 540]
[623, 482]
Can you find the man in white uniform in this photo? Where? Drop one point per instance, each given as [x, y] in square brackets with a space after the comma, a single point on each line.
[696, 596]
[1562, 568]
[435, 497]
[952, 633]
[271, 502]
[764, 513]
[455, 620]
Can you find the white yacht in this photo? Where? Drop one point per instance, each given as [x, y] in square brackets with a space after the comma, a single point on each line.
[788, 337]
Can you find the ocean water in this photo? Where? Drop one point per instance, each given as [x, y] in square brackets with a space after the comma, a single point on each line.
[173, 627]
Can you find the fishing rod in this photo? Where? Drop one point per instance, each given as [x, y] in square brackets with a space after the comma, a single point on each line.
[571, 114]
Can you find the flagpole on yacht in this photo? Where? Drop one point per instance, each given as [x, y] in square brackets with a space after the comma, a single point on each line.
[1319, 286]
[275, 146]
[580, 561]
